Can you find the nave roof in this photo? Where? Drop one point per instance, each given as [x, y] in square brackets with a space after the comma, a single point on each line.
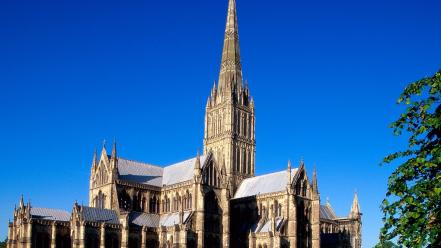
[154, 175]
[50, 214]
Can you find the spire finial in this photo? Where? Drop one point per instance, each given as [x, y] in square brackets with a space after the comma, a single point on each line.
[114, 149]
[231, 68]
[21, 205]
[197, 164]
[94, 159]
[288, 170]
[314, 180]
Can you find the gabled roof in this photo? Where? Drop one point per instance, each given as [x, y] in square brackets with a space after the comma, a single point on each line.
[143, 173]
[99, 215]
[268, 183]
[327, 213]
[50, 214]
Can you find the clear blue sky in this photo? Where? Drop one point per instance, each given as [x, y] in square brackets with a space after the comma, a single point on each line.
[325, 76]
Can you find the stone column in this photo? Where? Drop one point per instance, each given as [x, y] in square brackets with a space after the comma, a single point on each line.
[143, 237]
[199, 206]
[27, 241]
[183, 237]
[103, 235]
[82, 234]
[315, 222]
[251, 240]
[125, 236]
[176, 236]
[225, 218]
[292, 220]
[147, 203]
[54, 235]
[276, 241]
[10, 236]
[162, 236]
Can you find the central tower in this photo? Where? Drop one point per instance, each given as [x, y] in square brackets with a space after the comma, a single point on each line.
[229, 114]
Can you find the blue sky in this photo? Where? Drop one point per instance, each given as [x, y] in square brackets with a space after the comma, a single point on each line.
[325, 76]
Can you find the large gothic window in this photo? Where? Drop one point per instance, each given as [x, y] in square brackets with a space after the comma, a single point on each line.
[152, 206]
[100, 200]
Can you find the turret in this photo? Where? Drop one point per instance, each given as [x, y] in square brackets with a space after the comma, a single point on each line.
[289, 173]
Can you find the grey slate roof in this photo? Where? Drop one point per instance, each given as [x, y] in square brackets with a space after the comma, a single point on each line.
[50, 214]
[143, 173]
[326, 212]
[140, 172]
[99, 215]
[154, 220]
[180, 172]
[268, 183]
[143, 219]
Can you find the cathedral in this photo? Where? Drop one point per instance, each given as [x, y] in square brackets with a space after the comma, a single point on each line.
[211, 200]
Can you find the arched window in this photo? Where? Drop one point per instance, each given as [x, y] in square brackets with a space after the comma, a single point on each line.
[152, 206]
[100, 200]
[190, 201]
[143, 204]
[167, 204]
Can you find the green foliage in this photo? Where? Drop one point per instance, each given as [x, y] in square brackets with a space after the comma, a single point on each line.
[3, 244]
[387, 244]
[412, 207]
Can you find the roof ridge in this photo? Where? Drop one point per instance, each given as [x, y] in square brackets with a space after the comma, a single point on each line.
[271, 173]
[57, 209]
[182, 161]
[140, 162]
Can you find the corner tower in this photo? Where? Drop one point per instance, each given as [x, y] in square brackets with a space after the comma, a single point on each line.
[229, 114]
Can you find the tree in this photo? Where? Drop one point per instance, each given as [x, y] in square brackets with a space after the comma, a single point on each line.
[387, 244]
[3, 244]
[412, 206]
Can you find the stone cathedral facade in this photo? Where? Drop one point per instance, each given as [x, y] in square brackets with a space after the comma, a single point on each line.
[211, 200]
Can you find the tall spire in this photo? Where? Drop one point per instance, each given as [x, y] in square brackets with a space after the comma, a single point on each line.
[230, 75]
[355, 208]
